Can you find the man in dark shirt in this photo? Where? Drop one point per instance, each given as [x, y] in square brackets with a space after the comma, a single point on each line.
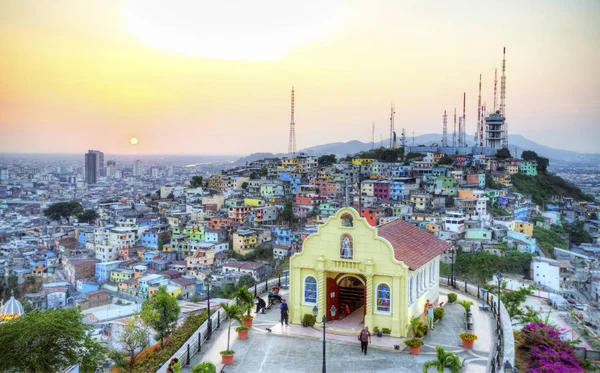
[365, 339]
[284, 311]
[260, 304]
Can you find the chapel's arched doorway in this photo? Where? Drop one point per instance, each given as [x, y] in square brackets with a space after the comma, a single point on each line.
[351, 293]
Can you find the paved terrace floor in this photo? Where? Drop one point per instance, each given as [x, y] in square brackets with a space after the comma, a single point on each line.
[294, 348]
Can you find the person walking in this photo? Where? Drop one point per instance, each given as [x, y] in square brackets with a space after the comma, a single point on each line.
[430, 316]
[284, 312]
[365, 338]
[260, 304]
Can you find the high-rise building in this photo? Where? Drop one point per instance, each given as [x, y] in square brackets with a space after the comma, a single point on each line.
[92, 166]
[137, 168]
[111, 167]
[494, 133]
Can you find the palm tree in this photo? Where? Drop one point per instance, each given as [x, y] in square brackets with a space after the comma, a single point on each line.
[443, 360]
[413, 326]
[244, 299]
[233, 313]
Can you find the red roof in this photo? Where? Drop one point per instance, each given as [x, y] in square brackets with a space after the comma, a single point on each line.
[413, 246]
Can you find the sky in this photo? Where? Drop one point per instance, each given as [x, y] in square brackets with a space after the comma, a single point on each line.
[195, 77]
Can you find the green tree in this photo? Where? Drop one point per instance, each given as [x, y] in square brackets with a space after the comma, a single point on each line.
[288, 212]
[233, 313]
[246, 280]
[160, 312]
[244, 185]
[445, 160]
[133, 337]
[244, 299]
[542, 163]
[578, 235]
[512, 300]
[443, 360]
[503, 153]
[59, 210]
[197, 181]
[49, 341]
[88, 216]
[326, 160]
[205, 367]
[264, 171]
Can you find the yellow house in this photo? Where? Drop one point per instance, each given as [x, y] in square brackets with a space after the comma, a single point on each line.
[523, 227]
[362, 161]
[384, 274]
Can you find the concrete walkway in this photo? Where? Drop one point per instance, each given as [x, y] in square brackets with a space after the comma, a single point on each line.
[288, 348]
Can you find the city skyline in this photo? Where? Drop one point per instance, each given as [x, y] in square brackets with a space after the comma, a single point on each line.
[98, 74]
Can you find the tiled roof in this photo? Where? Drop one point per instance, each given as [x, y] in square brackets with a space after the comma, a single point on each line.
[413, 246]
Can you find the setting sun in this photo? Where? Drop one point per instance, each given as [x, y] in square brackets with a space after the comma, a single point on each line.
[133, 141]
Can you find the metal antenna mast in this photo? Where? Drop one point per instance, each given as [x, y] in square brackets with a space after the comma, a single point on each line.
[292, 142]
[503, 98]
[460, 129]
[445, 129]
[478, 114]
[464, 121]
[392, 140]
[373, 136]
[495, 88]
[403, 140]
[454, 133]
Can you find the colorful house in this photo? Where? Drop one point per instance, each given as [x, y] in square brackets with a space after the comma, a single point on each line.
[384, 274]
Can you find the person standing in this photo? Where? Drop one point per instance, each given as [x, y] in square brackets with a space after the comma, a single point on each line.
[365, 338]
[284, 312]
[430, 316]
[260, 304]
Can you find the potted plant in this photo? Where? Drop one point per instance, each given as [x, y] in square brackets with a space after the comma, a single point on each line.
[452, 297]
[242, 331]
[468, 339]
[466, 304]
[386, 331]
[205, 367]
[233, 313]
[245, 301]
[414, 345]
[438, 313]
[443, 360]
[308, 320]
[377, 331]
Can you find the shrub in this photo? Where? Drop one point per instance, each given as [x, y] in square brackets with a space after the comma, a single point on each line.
[466, 304]
[414, 342]
[438, 314]
[247, 317]
[452, 297]
[205, 367]
[241, 328]
[467, 336]
[309, 319]
[376, 329]
[386, 331]
[227, 352]
[422, 330]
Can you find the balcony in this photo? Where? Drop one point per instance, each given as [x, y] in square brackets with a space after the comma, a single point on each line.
[343, 265]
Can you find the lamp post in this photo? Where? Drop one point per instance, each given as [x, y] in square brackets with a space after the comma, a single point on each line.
[452, 283]
[324, 322]
[207, 281]
[106, 367]
[508, 368]
[499, 277]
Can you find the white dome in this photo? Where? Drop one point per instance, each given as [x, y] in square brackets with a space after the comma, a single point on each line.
[12, 309]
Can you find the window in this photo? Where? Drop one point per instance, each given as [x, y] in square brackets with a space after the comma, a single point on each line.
[310, 290]
[383, 299]
[346, 247]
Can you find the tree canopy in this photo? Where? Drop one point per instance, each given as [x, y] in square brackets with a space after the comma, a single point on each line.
[196, 181]
[88, 216]
[246, 280]
[160, 312]
[503, 153]
[326, 160]
[48, 341]
[59, 210]
[542, 163]
[133, 338]
[288, 212]
[445, 160]
[480, 266]
[543, 187]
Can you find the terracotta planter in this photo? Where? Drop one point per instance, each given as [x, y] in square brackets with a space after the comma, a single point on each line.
[227, 359]
[415, 350]
[243, 334]
[247, 322]
[468, 344]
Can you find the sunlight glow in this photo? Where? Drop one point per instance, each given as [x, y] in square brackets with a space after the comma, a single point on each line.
[133, 141]
[231, 30]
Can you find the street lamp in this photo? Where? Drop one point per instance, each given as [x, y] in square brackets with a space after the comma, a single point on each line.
[508, 368]
[207, 281]
[324, 322]
[452, 282]
[499, 277]
[106, 367]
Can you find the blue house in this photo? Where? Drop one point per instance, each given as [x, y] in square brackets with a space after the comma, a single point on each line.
[150, 239]
[103, 270]
[282, 235]
[397, 190]
[529, 242]
[87, 286]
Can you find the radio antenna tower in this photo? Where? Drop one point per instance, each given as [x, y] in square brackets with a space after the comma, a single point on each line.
[503, 98]
[464, 121]
[454, 133]
[460, 129]
[403, 140]
[495, 88]
[481, 120]
[292, 143]
[392, 140]
[445, 129]
[373, 136]
[478, 114]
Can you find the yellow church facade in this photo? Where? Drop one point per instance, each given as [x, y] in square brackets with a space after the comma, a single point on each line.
[380, 276]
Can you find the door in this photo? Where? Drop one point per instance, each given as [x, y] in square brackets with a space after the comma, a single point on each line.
[332, 299]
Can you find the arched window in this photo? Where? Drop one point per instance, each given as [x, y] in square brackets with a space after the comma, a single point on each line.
[383, 300]
[346, 247]
[347, 220]
[310, 290]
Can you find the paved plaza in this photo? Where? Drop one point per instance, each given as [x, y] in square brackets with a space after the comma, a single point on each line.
[294, 348]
